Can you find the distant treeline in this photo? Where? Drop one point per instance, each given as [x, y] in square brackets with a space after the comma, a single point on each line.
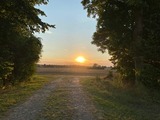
[72, 66]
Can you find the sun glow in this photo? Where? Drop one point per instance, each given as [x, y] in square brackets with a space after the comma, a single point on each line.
[80, 59]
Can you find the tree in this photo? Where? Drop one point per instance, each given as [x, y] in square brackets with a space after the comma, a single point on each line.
[23, 15]
[122, 28]
[20, 49]
[26, 54]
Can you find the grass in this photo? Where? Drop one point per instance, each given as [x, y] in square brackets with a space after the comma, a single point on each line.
[16, 94]
[71, 71]
[57, 106]
[117, 103]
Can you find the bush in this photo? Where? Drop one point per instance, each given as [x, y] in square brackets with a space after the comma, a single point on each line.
[150, 76]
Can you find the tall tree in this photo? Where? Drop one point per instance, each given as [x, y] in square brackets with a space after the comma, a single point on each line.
[121, 27]
[26, 54]
[23, 15]
[19, 21]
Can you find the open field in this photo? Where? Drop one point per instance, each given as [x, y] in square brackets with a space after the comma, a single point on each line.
[72, 71]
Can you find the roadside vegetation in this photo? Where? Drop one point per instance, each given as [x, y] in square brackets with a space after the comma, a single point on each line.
[18, 93]
[114, 101]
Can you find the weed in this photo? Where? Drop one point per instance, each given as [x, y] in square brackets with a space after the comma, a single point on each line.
[118, 103]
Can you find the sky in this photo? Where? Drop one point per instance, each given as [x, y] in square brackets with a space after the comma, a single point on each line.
[72, 36]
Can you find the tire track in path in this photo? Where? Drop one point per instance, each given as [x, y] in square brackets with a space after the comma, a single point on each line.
[30, 109]
[82, 106]
[78, 100]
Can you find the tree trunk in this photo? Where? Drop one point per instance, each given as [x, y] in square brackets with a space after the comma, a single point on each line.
[3, 82]
[137, 43]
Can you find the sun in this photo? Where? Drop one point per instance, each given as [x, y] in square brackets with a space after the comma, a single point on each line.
[80, 59]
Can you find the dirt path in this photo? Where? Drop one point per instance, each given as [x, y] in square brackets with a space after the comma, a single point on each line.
[79, 101]
[83, 108]
[30, 109]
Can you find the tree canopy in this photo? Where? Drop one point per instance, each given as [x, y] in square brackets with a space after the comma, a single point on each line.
[129, 29]
[20, 49]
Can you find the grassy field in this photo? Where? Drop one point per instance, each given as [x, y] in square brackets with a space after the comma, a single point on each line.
[72, 71]
[117, 103]
[16, 94]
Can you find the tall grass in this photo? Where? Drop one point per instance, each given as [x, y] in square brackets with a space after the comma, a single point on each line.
[117, 102]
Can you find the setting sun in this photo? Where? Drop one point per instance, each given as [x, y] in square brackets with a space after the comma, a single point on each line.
[80, 59]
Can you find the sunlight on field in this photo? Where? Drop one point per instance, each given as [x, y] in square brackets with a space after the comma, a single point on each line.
[72, 71]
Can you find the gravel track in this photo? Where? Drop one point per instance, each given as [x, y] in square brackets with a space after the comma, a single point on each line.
[83, 108]
[30, 110]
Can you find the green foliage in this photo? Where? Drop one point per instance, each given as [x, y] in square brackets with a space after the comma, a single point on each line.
[24, 14]
[114, 31]
[26, 55]
[6, 64]
[129, 30]
[6, 69]
[150, 76]
[20, 49]
[26, 52]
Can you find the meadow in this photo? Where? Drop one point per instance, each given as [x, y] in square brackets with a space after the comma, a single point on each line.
[81, 71]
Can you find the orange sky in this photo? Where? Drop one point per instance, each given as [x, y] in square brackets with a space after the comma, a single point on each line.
[72, 36]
